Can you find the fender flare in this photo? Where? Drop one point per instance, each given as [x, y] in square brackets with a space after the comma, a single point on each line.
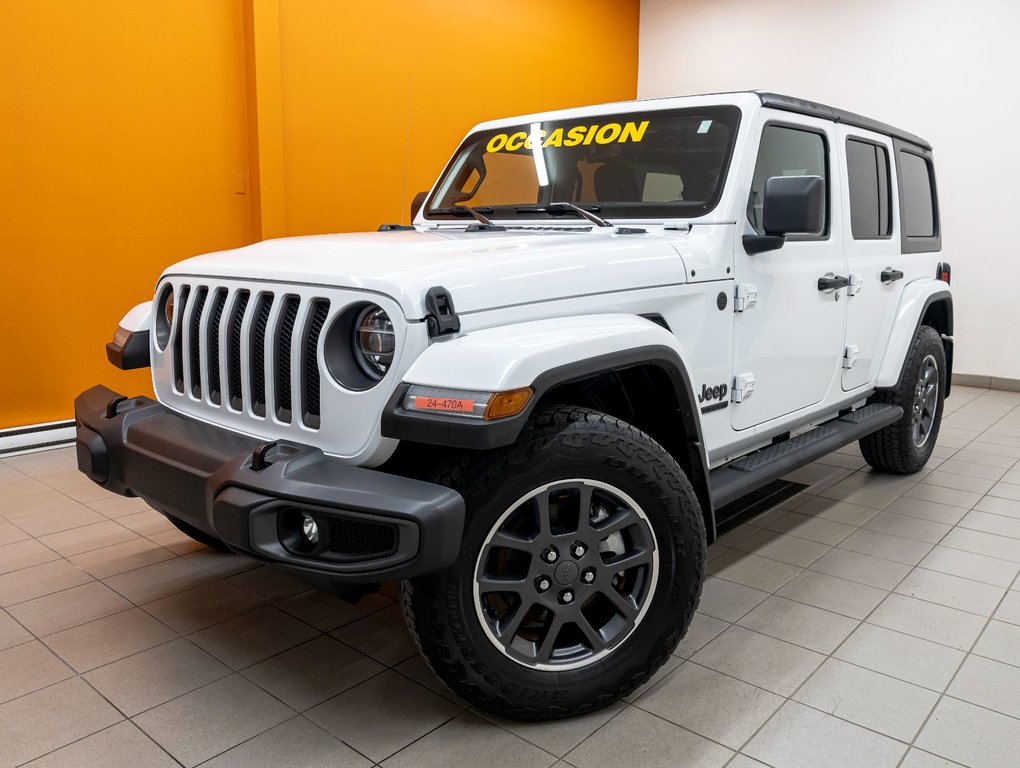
[543, 355]
[130, 346]
[917, 297]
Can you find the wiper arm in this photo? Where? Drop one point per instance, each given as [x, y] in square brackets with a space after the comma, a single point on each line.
[571, 207]
[481, 219]
[461, 210]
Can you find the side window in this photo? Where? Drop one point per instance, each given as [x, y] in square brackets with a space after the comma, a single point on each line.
[786, 151]
[916, 200]
[868, 177]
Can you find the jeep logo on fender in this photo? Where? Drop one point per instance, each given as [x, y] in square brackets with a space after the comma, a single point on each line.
[715, 393]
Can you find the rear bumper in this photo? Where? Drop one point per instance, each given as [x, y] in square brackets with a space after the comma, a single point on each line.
[373, 526]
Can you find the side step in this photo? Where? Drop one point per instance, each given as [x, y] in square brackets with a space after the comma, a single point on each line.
[743, 475]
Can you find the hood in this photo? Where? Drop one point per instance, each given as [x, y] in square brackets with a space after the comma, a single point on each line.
[482, 270]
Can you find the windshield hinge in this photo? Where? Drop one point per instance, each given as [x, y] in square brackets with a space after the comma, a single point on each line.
[745, 297]
[440, 315]
[677, 226]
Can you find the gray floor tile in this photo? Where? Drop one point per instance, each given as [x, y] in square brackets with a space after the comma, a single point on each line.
[268, 583]
[837, 511]
[312, 672]
[916, 758]
[1009, 610]
[47, 500]
[814, 528]
[743, 761]
[860, 567]
[296, 742]
[10, 533]
[901, 656]
[1000, 641]
[114, 507]
[801, 737]
[253, 636]
[882, 545]
[970, 565]
[239, 710]
[672, 663]
[136, 552]
[999, 506]
[833, 594]
[73, 516]
[81, 710]
[219, 563]
[930, 621]
[118, 746]
[972, 469]
[155, 676]
[727, 600]
[908, 527]
[950, 496]
[39, 580]
[69, 608]
[971, 735]
[78, 540]
[558, 736]
[152, 582]
[711, 704]
[11, 632]
[383, 636]
[326, 613]
[988, 683]
[146, 522]
[100, 642]
[786, 549]
[635, 737]
[703, 629]
[202, 606]
[383, 715]
[176, 541]
[983, 544]
[800, 624]
[958, 482]
[458, 744]
[763, 661]
[752, 571]
[992, 523]
[951, 591]
[870, 699]
[29, 667]
[1005, 491]
[23, 554]
[926, 510]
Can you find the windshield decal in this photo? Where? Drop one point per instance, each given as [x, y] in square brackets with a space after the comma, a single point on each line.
[607, 133]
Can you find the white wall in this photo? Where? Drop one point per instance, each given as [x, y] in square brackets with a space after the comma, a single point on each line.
[946, 70]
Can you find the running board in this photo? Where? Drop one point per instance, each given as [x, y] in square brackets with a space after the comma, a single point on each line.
[733, 480]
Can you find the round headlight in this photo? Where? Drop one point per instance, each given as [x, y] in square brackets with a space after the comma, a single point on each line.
[164, 316]
[374, 341]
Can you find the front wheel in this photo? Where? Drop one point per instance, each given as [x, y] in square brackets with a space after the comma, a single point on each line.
[580, 569]
[905, 446]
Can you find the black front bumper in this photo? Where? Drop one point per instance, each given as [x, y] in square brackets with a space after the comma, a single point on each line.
[373, 526]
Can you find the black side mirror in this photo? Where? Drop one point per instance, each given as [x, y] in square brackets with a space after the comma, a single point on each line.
[417, 203]
[791, 205]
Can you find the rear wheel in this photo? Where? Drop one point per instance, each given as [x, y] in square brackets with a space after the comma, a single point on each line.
[580, 569]
[905, 446]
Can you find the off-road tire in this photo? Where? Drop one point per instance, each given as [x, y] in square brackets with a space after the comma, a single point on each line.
[892, 448]
[558, 443]
[200, 536]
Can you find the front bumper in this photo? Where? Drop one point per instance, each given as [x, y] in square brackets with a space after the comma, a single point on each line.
[373, 526]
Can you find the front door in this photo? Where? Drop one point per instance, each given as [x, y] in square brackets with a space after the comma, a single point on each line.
[790, 342]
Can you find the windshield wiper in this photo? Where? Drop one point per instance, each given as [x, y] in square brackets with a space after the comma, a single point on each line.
[484, 223]
[564, 207]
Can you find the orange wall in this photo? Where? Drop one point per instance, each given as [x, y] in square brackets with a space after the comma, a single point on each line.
[128, 131]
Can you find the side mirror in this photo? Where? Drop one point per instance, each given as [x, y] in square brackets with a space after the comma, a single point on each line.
[417, 203]
[792, 205]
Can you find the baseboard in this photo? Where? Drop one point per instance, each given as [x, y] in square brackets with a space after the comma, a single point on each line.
[36, 437]
[986, 382]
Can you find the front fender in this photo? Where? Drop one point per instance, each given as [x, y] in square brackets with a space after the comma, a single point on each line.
[914, 302]
[130, 346]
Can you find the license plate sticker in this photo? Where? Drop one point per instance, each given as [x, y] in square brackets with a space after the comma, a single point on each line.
[447, 404]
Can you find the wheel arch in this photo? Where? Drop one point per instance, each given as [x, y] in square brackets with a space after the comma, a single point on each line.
[928, 302]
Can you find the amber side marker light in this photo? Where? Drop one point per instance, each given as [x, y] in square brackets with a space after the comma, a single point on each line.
[503, 404]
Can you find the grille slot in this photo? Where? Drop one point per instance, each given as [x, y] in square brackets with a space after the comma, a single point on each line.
[212, 345]
[252, 350]
[310, 362]
[359, 539]
[284, 336]
[180, 307]
[257, 354]
[234, 353]
[196, 335]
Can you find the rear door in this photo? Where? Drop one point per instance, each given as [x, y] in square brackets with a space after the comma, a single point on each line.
[791, 341]
[873, 255]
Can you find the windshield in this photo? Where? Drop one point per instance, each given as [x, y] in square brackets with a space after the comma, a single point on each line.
[642, 165]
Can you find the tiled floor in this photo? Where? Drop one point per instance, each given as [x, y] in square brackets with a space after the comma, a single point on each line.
[871, 621]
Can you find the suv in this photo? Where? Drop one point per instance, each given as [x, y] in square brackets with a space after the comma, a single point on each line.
[531, 406]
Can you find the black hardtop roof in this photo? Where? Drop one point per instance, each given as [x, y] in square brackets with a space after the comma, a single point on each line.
[814, 109]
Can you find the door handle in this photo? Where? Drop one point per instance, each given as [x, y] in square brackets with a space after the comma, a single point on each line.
[890, 275]
[831, 282]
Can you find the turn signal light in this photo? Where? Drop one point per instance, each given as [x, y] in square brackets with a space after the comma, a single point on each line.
[503, 404]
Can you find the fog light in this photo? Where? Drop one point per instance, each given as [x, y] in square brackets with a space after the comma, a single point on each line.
[310, 529]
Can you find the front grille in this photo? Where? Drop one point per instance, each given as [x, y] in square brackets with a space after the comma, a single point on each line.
[242, 349]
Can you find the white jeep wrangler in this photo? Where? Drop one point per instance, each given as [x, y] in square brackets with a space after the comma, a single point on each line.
[604, 325]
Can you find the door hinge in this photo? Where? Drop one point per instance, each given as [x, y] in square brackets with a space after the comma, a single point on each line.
[850, 356]
[745, 297]
[855, 285]
[743, 387]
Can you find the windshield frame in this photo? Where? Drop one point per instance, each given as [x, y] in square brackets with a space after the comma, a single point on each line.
[730, 114]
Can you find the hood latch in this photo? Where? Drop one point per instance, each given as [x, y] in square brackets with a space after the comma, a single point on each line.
[440, 315]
